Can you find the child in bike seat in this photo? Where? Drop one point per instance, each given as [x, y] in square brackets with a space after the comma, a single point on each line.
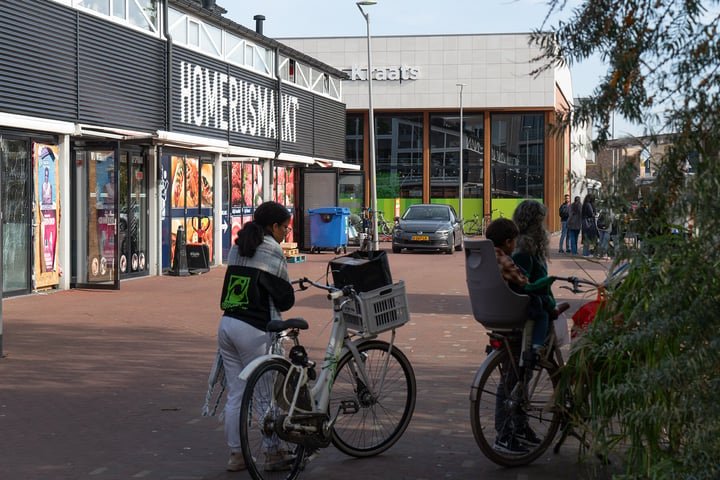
[525, 270]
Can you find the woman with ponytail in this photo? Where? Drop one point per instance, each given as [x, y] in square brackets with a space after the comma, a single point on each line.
[256, 289]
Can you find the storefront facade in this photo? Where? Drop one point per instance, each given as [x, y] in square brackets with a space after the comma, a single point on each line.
[136, 118]
[508, 154]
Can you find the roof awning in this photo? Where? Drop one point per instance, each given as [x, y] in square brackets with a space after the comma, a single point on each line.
[206, 144]
[335, 164]
[35, 123]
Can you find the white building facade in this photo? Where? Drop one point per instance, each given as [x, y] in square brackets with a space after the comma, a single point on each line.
[419, 83]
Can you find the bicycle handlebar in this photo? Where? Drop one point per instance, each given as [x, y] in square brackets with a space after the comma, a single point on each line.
[333, 292]
[576, 282]
[614, 278]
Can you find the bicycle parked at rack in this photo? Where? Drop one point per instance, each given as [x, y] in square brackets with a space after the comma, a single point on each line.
[511, 395]
[361, 400]
[385, 229]
[476, 226]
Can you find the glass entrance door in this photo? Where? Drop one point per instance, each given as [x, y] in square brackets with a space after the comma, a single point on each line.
[16, 215]
[96, 251]
[133, 216]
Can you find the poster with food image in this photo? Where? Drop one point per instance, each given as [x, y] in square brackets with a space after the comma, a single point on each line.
[280, 185]
[206, 184]
[257, 185]
[236, 176]
[192, 182]
[236, 225]
[186, 182]
[290, 188]
[177, 189]
[247, 184]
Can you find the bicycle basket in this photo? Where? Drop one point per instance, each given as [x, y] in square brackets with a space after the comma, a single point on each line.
[378, 310]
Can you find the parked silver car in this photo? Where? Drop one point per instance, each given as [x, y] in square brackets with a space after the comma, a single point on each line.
[428, 227]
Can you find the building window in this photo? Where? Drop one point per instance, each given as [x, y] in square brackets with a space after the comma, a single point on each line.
[517, 156]
[354, 139]
[399, 159]
[142, 14]
[445, 159]
[215, 42]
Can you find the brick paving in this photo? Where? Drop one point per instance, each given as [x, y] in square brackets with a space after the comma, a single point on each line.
[109, 384]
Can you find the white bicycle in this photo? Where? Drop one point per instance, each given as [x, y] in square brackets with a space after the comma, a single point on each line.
[361, 401]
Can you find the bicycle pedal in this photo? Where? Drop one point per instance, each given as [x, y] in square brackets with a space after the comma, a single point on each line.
[349, 407]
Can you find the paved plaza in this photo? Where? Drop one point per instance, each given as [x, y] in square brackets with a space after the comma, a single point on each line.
[107, 385]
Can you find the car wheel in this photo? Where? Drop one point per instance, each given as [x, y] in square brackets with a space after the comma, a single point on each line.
[459, 247]
[451, 249]
[396, 249]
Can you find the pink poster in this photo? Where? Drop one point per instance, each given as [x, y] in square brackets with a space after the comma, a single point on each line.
[47, 192]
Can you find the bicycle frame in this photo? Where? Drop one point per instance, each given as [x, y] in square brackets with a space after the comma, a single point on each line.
[338, 343]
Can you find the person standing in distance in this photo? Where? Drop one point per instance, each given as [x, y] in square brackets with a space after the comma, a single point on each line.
[574, 224]
[564, 212]
[255, 290]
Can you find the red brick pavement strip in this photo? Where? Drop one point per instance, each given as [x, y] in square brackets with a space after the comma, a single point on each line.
[109, 385]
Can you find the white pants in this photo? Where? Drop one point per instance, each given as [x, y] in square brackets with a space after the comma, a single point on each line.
[240, 343]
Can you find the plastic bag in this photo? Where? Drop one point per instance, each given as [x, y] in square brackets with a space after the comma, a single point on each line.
[562, 330]
[216, 381]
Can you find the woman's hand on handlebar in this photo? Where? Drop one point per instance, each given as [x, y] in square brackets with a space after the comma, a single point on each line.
[301, 283]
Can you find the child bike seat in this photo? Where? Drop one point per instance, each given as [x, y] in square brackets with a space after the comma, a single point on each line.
[494, 304]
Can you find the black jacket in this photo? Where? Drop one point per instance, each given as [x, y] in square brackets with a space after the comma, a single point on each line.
[564, 211]
[247, 291]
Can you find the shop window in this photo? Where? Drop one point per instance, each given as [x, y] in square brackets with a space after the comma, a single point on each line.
[354, 138]
[445, 160]
[399, 160]
[517, 156]
[245, 193]
[189, 200]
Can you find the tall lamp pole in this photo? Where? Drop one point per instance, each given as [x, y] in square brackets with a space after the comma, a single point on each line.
[371, 131]
[462, 135]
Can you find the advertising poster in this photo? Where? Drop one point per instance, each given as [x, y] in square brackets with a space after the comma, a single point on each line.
[246, 178]
[191, 198]
[206, 187]
[46, 268]
[105, 206]
[284, 193]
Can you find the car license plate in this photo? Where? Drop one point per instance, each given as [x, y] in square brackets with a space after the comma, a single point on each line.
[421, 237]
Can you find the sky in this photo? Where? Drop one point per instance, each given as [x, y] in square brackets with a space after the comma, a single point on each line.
[332, 18]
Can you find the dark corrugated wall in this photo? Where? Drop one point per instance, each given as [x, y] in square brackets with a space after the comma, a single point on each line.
[121, 76]
[303, 144]
[330, 129]
[38, 70]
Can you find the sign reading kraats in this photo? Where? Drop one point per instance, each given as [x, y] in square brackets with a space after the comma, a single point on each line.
[213, 99]
[402, 72]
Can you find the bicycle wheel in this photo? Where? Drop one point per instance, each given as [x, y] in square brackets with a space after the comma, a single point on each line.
[384, 228]
[472, 227]
[266, 455]
[372, 417]
[498, 411]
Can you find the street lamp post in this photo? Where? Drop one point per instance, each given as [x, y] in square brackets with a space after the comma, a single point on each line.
[462, 135]
[371, 131]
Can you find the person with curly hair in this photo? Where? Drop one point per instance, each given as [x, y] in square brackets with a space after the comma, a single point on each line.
[531, 253]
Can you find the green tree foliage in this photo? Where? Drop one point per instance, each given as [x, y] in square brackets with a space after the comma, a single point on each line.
[650, 363]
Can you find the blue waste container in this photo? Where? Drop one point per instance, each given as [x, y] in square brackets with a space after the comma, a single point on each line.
[328, 229]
